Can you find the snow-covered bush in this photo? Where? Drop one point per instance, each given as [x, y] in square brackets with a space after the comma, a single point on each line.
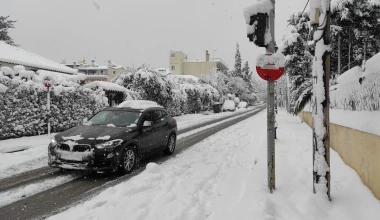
[23, 105]
[178, 95]
[355, 96]
[226, 83]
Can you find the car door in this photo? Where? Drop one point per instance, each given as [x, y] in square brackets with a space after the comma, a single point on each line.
[160, 123]
[148, 134]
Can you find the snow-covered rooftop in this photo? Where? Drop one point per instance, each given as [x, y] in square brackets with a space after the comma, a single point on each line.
[217, 60]
[15, 55]
[106, 86]
[138, 104]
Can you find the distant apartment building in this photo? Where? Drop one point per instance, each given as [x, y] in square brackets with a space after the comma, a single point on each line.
[179, 64]
[96, 72]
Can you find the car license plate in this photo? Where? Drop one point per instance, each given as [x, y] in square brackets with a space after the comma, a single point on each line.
[71, 156]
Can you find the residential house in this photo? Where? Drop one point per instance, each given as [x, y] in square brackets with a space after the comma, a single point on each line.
[180, 64]
[96, 72]
[11, 56]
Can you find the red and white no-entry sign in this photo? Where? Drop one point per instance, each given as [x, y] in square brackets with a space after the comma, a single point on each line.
[47, 81]
[272, 69]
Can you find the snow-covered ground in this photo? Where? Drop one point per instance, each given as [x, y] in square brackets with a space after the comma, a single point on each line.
[225, 177]
[35, 155]
[189, 120]
[16, 194]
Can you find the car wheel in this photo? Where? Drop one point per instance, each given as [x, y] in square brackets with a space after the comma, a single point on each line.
[170, 147]
[128, 161]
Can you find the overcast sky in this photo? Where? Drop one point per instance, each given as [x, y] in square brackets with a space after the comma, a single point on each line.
[133, 32]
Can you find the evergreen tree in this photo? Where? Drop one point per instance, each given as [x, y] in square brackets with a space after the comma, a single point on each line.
[237, 71]
[246, 72]
[359, 30]
[6, 24]
[298, 62]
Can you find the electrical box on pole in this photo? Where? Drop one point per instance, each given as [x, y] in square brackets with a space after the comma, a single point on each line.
[260, 20]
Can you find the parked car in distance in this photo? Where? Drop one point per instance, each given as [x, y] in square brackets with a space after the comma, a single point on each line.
[114, 138]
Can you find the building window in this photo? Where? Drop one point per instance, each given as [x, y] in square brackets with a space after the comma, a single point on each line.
[173, 67]
[173, 55]
[114, 72]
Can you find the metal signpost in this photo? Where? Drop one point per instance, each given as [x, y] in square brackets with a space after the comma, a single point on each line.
[269, 72]
[47, 83]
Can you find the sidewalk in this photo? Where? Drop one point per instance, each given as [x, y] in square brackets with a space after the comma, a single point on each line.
[225, 177]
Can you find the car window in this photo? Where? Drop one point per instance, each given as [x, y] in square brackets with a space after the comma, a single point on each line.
[164, 114]
[117, 118]
[148, 116]
[157, 116]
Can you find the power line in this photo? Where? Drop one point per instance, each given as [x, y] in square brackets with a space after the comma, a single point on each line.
[305, 7]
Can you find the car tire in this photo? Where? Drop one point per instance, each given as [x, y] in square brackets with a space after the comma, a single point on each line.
[128, 161]
[170, 147]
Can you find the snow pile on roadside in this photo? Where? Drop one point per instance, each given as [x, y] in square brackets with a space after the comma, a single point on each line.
[225, 177]
[228, 105]
[34, 157]
[16, 194]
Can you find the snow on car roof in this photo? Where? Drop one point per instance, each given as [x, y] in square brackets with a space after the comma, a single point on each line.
[139, 104]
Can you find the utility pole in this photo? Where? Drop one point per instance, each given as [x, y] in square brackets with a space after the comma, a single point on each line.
[339, 71]
[321, 112]
[271, 49]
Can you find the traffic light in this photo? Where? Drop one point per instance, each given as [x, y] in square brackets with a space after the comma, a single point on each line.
[258, 36]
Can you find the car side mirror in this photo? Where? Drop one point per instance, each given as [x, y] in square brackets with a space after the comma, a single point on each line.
[147, 123]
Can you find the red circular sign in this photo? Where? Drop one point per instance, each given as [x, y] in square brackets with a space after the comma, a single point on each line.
[270, 74]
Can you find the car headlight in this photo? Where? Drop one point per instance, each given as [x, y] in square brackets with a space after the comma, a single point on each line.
[109, 144]
[53, 142]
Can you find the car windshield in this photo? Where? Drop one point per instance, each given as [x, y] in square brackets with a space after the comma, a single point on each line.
[116, 118]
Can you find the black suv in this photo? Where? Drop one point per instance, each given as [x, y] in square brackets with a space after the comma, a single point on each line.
[113, 139]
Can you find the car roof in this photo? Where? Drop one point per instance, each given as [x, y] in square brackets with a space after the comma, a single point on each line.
[133, 109]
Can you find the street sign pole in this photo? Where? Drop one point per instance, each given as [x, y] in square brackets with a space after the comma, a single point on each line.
[270, 111]
[48, 108]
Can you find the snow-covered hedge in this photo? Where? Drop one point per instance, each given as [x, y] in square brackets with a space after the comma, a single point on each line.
[178, 95]
[355, 96]
[23, 103]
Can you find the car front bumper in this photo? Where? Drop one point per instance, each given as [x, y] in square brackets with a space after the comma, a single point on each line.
[95, 160]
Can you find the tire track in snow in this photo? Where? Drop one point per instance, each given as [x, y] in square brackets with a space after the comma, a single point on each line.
[71, 193]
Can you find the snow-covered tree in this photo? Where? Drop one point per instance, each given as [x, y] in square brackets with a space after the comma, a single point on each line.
[5, 25]
[246, 72]
[298, 60]
[359, 31]
[237, 71]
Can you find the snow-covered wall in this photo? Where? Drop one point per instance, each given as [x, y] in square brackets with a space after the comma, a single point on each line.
[360, 150]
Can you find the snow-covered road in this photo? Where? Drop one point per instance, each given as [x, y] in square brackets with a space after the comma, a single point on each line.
[225, 177]
[35, 155]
